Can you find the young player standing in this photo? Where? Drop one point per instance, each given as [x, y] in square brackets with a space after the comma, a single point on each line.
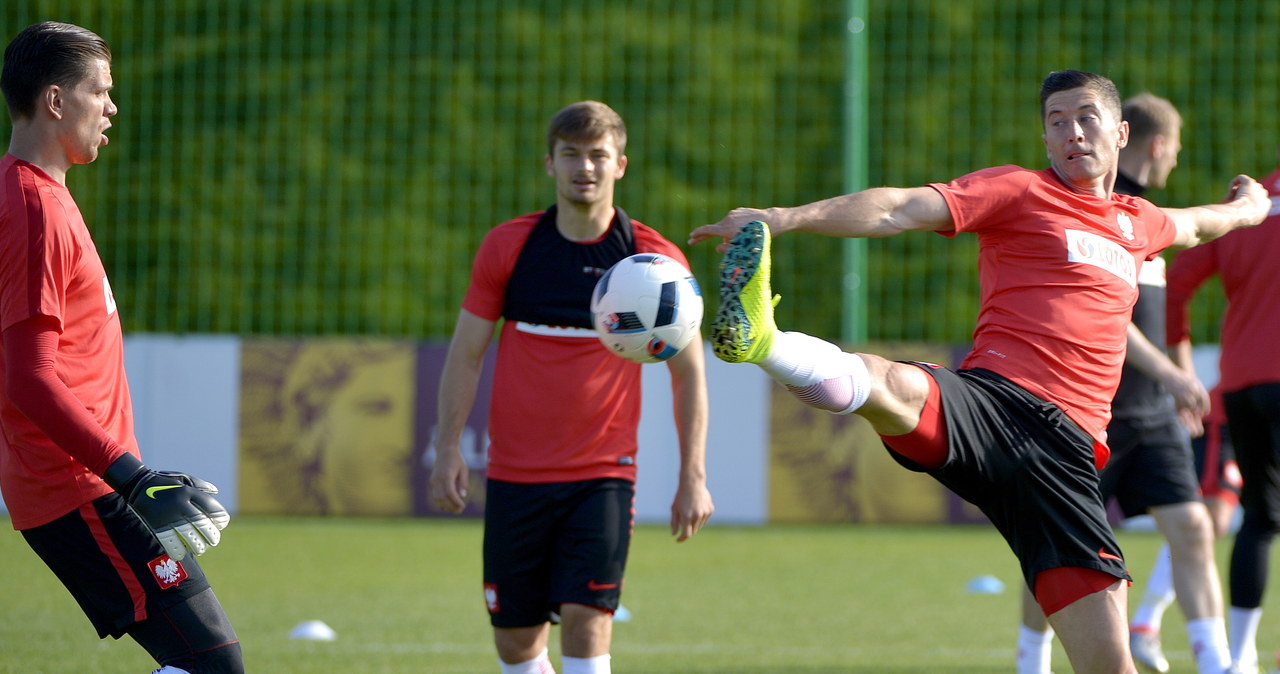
[113, 531]
[1019, 430]
[565, 411]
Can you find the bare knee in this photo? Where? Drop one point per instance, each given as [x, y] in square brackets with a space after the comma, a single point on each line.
[898, 394]
[586, 631]
[1187, 527]
[520, 644]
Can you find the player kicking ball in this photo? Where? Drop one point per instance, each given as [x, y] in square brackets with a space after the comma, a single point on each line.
[1018, 428]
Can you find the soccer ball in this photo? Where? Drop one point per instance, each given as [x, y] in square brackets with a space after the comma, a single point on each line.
[646, 308]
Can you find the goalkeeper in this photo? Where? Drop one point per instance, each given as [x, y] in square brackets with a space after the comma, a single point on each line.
[121, 537]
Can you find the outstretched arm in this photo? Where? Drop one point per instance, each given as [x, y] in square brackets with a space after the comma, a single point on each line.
[458, 384]
[1187, 391]
[692, 506]
[1246, 205]
[873, 213]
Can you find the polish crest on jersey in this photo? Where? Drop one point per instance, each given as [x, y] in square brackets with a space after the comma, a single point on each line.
[168, 571]
[1091, 249]
[491, 597]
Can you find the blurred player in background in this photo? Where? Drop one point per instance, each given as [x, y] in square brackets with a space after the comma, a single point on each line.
[1220, 490]
[1020, 430]
[1151, 470]
[113, 531]
[1250, 383]
[565, 412]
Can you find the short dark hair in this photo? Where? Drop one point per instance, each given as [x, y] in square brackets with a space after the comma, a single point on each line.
[1063, 80]
[586, 120]
[44, 54]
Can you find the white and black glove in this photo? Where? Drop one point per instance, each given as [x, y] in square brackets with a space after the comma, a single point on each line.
[177, 507]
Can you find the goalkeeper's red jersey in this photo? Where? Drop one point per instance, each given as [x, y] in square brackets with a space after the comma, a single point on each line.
[1245, 261]
[1058, 272]
[563, 407]
[50, 267]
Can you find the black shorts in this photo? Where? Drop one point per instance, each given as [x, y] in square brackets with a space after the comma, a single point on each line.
[1028, 468]
[113, 565]
[548, 544]
[1151, 465]
[1254, 416]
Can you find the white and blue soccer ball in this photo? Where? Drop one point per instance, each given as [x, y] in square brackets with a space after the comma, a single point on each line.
[647, 308]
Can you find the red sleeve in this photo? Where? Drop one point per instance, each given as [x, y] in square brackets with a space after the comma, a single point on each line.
[1190, 269]
[648, 240]
[493, 264]
[1162, 231]
[973, 197]
[32, 383]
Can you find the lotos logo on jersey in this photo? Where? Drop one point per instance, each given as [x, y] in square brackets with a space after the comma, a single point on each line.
[167, 571]
[1089, 248]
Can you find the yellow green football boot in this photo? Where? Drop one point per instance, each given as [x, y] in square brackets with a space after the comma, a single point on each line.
[743, 329]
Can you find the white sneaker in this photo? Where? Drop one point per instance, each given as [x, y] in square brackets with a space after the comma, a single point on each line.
[1147, 652]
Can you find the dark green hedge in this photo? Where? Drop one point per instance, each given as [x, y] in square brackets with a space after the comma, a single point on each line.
[329, 167]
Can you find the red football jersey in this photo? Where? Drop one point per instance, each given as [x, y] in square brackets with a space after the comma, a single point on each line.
[1058, 272]
[50, 267]
[563, 407]
[1242, 259]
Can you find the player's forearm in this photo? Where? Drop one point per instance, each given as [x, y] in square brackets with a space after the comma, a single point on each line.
[460, 378]
[1147, 358]
[1214, 220]
[1247, 206]
[32, 383]
[457, 395]
[871, 213]
[1180, 352]
[691, 408]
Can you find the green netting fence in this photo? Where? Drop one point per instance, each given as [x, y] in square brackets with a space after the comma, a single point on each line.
[307, 167]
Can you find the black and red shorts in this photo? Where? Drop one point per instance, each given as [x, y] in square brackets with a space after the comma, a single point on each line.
[112, 564]
[1151, 465]
[1028, 468]
[548, 544]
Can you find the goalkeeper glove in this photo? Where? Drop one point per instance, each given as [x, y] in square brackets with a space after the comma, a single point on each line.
[177, 507]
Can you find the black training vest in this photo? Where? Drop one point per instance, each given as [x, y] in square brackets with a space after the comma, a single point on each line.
[552, 280]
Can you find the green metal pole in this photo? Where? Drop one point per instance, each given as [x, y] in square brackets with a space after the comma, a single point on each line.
[855, 168]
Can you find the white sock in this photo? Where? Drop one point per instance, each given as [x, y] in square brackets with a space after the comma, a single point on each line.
[818, 372]
[538, 665]
[1157, 597]
[169, 669]
[1243, 626]
[1035, 650]
[597, 665]
[1208, 639]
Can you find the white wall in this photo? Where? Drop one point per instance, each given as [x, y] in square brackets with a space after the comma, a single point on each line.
[737, 444]
[186, 404]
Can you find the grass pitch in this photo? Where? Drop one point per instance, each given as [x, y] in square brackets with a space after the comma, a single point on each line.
[404, 595]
